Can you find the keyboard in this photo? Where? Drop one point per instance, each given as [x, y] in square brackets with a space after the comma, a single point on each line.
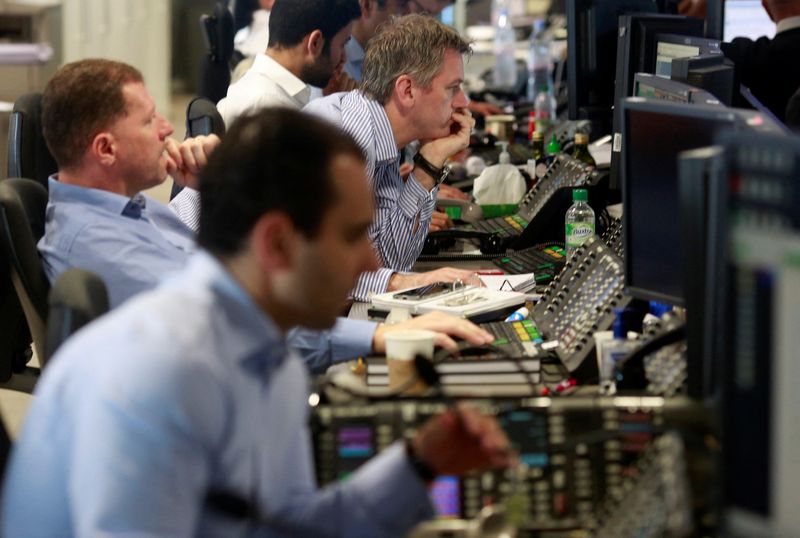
[544, 264]
[508, 226]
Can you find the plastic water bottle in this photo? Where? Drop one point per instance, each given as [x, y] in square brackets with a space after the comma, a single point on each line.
[505, 68]
[579, 222]
[538, 59]
[544, 106]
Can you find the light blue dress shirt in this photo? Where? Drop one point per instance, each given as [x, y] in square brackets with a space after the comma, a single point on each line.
[133, 243]
[403, 208]
[355, 59]
[186, 389]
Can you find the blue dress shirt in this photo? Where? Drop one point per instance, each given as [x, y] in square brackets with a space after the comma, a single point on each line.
[133, 243]
[355, 59]
[403, 208]
[202, 394]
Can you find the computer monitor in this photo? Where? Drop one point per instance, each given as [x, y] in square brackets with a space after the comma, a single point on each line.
[712, 72]
[636, 53]
[637, 45]
[756, 298]
[672, 46]
[745, 18]
[591, 54]
[655, 87]
[654, 133]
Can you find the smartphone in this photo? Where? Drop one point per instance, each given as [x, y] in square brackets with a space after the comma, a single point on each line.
[424, 292]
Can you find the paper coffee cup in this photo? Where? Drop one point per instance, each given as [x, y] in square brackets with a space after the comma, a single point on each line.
[401, 348]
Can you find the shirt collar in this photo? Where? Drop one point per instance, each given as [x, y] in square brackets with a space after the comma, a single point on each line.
[281, 76]
[385, 144]
[354, 51]
[789, 23]
[252, 338]
[110, 201]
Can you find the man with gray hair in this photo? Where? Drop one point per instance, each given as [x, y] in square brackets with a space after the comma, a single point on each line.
[410, 90]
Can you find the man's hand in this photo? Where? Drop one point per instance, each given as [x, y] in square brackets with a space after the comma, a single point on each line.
[447, 191]
[485, 109]
[462, 440]
[439, 221]
[186, 159]
[445, 274]
[340, 81]
[444, 325]
[438, 151]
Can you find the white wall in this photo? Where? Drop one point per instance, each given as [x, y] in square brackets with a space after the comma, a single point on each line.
[133, 31]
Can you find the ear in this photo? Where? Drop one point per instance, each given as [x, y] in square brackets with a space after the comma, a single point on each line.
[103, 148]
[315, 42]
[405, 91]
[273, 240]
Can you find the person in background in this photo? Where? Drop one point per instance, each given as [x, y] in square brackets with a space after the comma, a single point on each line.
[306, 45]
[411, 90]
[766, 66]
[251, 40]
[204, 405]
[110, 143]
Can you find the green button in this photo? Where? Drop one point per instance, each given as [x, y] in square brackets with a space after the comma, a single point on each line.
[505, 260]
[500, 342]
[527, 323]
[541, 277]
[546, 266]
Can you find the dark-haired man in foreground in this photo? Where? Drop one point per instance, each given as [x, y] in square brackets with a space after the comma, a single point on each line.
[203, 398]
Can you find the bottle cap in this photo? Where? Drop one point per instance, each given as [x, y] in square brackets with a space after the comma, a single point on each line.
[553, 147]
[581, 139]
[580, 195]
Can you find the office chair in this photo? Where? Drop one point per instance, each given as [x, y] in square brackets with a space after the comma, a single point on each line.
[76, 298]
[218, 33]
[28, 155]
[243, 13]
[22, 214]
[202, 118]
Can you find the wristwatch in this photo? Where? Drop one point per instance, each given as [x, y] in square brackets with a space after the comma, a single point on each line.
[438, 174]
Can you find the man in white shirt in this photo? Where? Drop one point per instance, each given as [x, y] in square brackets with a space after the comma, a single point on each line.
[306, 43]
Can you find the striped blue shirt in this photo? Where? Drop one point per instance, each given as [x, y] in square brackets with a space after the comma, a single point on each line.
[403, 208]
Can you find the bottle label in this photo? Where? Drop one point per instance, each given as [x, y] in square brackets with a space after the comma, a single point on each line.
[578, 233]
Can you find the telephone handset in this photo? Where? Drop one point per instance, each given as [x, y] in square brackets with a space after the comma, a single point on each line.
[490, 243]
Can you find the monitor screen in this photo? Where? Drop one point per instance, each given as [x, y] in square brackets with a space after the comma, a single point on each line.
[654, 134]
[746, 18]
[591, 49]
[666, 52]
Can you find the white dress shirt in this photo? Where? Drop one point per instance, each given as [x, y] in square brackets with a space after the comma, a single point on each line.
[267, 83]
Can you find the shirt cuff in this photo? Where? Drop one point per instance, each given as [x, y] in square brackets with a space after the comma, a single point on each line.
[186, 205]
[414, 197]
[390, 488]
[372, 283]
[351, 338]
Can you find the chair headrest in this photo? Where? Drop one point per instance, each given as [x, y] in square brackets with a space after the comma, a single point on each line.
[28, 154]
